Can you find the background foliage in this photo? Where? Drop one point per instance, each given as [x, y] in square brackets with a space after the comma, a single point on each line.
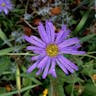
[79, 15]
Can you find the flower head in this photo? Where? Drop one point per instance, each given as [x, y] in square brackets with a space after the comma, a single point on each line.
[5, 6]
[51, 48]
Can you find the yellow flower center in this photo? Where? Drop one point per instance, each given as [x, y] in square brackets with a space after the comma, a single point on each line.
[3, 4]
[52, 50]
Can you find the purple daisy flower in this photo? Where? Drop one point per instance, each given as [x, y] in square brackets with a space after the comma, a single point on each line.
[51, 48]
[5, 6]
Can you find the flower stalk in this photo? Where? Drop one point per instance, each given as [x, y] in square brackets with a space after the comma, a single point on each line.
[18, 79]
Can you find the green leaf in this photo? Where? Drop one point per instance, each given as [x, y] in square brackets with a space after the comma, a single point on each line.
[2, 35]
[88, 68]
[7, 50]
[4, 38]
[90, 90]
[4, 64]
[2, 90]
[28, 79]
[73, 78]
[82, 22]
[87, 37]
[26, 93]
[56, 87]
[69, 88]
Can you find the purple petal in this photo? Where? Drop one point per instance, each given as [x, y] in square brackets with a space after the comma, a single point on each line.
[9, 6]
[66, 32]
[6, 1]
[73, 52]
[60, 58]
[38, 40]
[41, 52]
[35, 57]
[42, 33]
[1, 1]
[59, 35]
[0, 9]
[62, 66]
[70, 48]
[32, 67]
[34, 48]
[39, 71]
[68, 42]
[32, 41]
[50, 29]
[52, 69]
[46, 69]
[38, 57]
[63, 34]
[69, 63]
[41, 68]
[74, 47]
[6, 11]
[42, 63]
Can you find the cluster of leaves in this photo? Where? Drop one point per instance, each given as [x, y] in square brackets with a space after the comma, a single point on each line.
[14, 60]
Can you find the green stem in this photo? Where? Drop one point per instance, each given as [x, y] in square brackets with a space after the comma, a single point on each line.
[87, 55]
[30, 25]
[26, 6]
[17, 54]
[51, 88]
[91, 52]
[72, 90]
[18, 80]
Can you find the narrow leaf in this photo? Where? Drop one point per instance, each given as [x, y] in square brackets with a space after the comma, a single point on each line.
[82, 22]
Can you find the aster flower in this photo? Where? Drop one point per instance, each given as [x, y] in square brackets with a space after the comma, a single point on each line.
[5, 6]
[50, 50]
